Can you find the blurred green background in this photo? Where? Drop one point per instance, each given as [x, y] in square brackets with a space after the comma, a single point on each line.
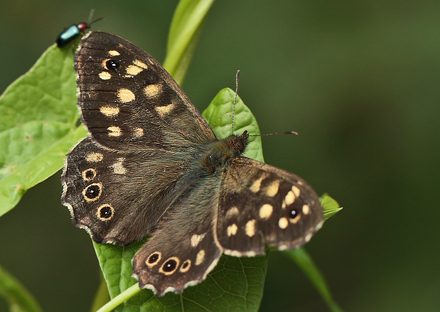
[358, 80]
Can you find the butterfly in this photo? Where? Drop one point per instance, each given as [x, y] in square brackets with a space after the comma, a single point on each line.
[151, 165]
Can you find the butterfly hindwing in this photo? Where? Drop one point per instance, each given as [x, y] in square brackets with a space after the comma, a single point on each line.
[128, 101]
[183, 250]
[262, 205]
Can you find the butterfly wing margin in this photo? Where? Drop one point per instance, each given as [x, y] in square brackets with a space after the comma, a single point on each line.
[280, 209]
[129, 101]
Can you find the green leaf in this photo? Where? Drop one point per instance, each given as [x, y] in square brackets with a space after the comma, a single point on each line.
[330, 206]
[185, 30]
[18, 298]
[234, 284]
[37, 125]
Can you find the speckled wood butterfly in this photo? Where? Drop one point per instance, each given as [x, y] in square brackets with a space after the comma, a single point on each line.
[152, 165]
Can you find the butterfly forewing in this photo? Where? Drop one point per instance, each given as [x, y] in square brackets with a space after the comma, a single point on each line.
[119, 196]
[262, 205]
[128, 101]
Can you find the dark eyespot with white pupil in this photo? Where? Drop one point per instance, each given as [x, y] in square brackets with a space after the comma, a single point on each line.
[92, 191]
[293, 213]
[112, 64]
[153, 258]
[106, 212]
[169, 266]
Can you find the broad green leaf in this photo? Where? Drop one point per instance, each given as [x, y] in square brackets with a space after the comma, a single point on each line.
[37, 125]
[235, 284]
[47, 92]
[184, 33]
[29, 154]
[18, 298]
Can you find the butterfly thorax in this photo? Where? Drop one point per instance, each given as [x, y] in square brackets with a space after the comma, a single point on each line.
[220, 153]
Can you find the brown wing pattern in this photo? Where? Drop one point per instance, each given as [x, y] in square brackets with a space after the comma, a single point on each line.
[260, 204]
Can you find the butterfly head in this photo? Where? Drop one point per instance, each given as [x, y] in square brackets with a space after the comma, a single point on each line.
[238, 143]
[222, 152]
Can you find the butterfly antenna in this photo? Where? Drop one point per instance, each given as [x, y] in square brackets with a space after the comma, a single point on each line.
[235, 99]
[280, 132]
[275, 133]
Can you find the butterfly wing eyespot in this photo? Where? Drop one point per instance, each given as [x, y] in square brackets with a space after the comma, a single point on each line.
[112, 65]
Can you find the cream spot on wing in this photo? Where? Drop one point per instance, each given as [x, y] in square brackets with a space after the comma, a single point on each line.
[125, 95]
[266, 211]
[114, 53]
[306, 209]
[232, 212]
[114, 131]
[200, 257]
[105, 75]
[250, 228]
[109, 111]
[295, 189]
[140, 64]
[196, 239]
[288, 200]
[283, 223]
[236, 253]
[153, 90]
[273, 188]
[118, 166]
[138, 132]
[104, 63]
[94, 157]
[232, 229]
[255, 187]
[308, 237]
[283, 247]
[164, 110]
[133, 70]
